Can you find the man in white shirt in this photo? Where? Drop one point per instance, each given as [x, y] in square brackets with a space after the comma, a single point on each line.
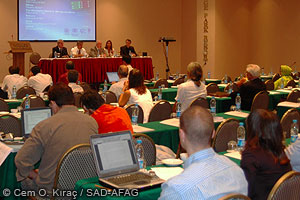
[38, 81]
[73, 78]
[78, 51]
[14, 79]
[118, 87]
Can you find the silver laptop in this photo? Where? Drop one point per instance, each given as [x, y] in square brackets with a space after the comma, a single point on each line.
[116, 162]
[112, 76]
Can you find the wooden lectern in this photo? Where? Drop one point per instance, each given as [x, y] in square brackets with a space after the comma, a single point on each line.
[18, 49]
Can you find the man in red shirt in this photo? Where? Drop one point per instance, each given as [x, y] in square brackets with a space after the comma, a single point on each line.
[109, 118]
[64, 77]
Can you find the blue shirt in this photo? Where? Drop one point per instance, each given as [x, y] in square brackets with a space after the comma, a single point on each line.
[206, 175]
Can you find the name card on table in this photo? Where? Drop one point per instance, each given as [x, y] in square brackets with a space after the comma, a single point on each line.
[289, 104]
[237, 114]
[4, 152]
[171, 122]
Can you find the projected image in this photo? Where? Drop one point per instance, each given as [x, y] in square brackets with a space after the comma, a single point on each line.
[42, 20]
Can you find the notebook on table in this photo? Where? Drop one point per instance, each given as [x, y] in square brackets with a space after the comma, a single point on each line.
[112, 77]
[116, 162]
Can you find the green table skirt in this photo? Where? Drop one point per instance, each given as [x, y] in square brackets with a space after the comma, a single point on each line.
[223, 103]
[216, 81]
[18, 102]
[282, 109]
[167, 94]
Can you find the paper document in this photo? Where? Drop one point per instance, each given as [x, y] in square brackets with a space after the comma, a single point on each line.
[4, 152]
[171, 122]
[218, 119]
[284, 90]
[12, 100]
[237, 114]
[167, 172]
[289, 104]
[274, 92]
[222, 84]
[236, 155]
[141, 129]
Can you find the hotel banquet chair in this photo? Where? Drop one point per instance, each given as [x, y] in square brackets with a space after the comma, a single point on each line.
[3, 105]
[35, 58]
[291, 83]
[35, 102]
[234, 196]
[128, 108]
[226, 132]
[269, 85]
[212, 88]
[149, 147]
[21, 93]
[287, 187]
[110, 97]
[160, 82]
[178, 81]
[293, 96]
[260, 101]
[77, 96]
[287, 120]
[275, 77]
[235, 87]
[160, 111]
[200, 102]
[85, 86]
[10, 124]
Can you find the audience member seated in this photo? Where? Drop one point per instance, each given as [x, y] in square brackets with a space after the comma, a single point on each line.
[78, 50]
[51, 138]
[263, 159]
[109, 50]
[293, 153]
[127, 50]
[60, 49]
[38, 81]
[73, 78]
[206, 174]
[64, 77]
[117, 88]
[14, 79]
[134, 91]
[193, 88]
[109, 118]
[286, 76]
[97, 50]
[127, 61]
[250, 88]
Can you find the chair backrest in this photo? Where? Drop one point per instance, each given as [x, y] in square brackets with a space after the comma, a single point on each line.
[85, 86]
[235, 87]
[228, 79]
[160, 82]
[178, 81]
[21, 93]
[212, 88]
[260, 101]
[149, 147]
[141, 112]
[200, 102]
[160, 111]
[10, 124]
[234, 196]
[76, 164]
[35, 102]
[226, 132]
[287, 187]
[291, 83]
[77, 96]
[35, 58]
[293, 96]
[287, 120]
[3, 105]
[269, 85]
[110, 97]
[275, 77]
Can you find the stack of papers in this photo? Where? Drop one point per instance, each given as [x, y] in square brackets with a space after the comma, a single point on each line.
[235, 154]
[4, 152]
[289, 104]
[284, 90]
[171, 122]
[222, 84]
[167, 172]
[141, 129]
[218, 119]
[274, 92]
[237, 114]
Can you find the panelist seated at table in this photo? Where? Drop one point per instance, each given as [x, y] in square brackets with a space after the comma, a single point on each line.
[109, 118]
[263, 159]
[127, 49]
[206, 174]
[14, 79]
[134, 91]
[108, 49]
[293, 153]
[286, 76]
[193, 88]
[73, 78]
[60, 50]
[97, 50]
[51, 138]
[38, 81]
[117, 87]
[64, 77]
[250, 88]
[78, 51]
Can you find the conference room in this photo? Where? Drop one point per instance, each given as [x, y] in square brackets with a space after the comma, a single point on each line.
[181, 68]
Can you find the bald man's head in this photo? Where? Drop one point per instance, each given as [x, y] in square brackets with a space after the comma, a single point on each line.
[197, 124]
[123, 71]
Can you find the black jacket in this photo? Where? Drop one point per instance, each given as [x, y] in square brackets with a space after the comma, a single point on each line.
[63, 51]
[124, 51]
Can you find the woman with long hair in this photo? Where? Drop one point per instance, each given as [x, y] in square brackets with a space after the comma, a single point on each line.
[108, 49]
[263, 159]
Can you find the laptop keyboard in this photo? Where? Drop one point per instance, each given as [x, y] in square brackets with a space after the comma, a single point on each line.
[118, 180]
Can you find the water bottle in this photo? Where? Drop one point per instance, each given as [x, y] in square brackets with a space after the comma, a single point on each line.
[281, 83]
[55, 54]
[208, 75]
[225, 79]
[230, 87]
[213, 104]
[238, 101]
[241, 134]
[27, 102]
[105, 86]
[78, 82]
[294, 131]
[159, 93]
[140, 154]
[14, 92]
[135, 114]
[271, 72]
[157, 76]
[262, 71]
[178, 109]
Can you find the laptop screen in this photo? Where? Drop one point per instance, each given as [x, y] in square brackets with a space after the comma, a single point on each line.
[31, 117]
[112, 76]
[114, 153]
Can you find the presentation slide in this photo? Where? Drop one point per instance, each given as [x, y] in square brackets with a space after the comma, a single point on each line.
[49, 20]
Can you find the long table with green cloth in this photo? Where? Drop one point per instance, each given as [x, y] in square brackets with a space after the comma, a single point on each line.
[15, 103]
[282, 109]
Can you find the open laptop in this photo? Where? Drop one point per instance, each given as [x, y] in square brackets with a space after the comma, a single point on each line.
[116, 162]
[112, 76]
[31, 117]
